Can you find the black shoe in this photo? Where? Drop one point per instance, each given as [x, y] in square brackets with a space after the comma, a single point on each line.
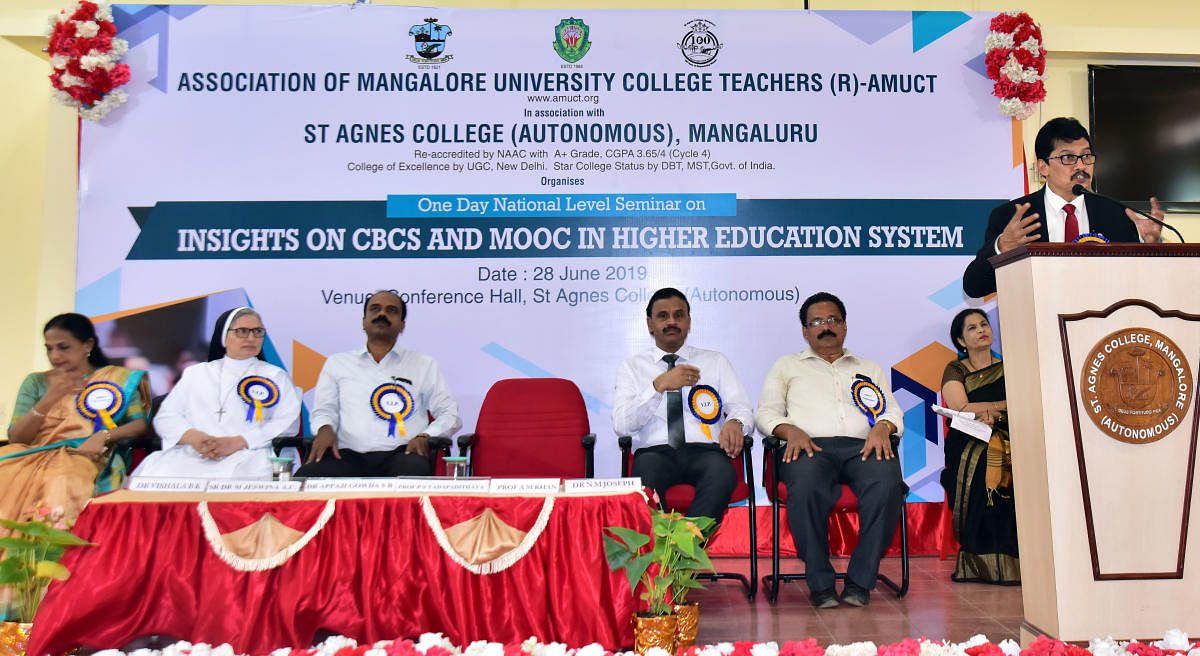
[824, 598]
[855, 595]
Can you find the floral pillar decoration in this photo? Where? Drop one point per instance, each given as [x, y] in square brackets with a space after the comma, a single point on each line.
[84, 54]
[1016, 59]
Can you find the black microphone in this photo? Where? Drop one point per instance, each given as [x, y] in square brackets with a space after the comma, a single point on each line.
[1080, 190]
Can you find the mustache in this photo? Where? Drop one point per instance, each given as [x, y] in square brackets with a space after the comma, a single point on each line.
[381, 319]
[826, 333]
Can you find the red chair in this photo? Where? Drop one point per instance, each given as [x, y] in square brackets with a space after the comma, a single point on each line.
[679, 499]
[531, 427]
[777, 493]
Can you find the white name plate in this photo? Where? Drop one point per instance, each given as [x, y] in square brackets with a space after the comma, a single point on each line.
[595, 485]
[525, 486]
[444, 485]
[227, 486]
[351, 485]
[163, 484]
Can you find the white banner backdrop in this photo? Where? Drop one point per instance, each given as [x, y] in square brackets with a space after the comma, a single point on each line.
[527, 178]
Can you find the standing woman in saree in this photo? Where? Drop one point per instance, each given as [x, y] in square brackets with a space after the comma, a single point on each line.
[978, 475]
[219, 420]
[65, 421]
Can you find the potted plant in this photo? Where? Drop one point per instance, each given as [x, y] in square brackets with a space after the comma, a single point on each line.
[31, 555]
[687, 613]
[665, 571]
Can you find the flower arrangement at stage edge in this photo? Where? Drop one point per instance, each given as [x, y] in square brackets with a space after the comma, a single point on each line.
[31, 556]
[435, 644]
[84, 54]
[668, 570]
[1016, 59]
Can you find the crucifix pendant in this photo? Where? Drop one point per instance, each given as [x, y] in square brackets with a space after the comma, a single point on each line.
[220, 413]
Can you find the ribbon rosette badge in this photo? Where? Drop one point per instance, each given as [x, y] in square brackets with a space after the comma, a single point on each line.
[1091, 238]
[392, 403]
[100, 401]
[257, 393]
[705, 404]
[869, 398]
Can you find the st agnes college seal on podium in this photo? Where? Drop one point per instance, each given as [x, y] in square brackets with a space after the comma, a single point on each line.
[1136, 385]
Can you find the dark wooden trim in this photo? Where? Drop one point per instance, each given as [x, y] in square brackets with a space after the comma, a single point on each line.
[1117, 305]
[1085, 492]
[1061, 249]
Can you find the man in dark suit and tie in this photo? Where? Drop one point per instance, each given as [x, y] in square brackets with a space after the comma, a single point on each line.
[1055, 213]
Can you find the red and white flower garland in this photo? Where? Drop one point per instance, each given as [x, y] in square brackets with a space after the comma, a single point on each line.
[84, 53]
[1017, 61]
[1176, 643]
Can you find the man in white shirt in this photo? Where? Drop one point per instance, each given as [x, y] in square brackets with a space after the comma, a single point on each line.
[373, 405]
[684, 408]
[837, 415]
[1055, 212]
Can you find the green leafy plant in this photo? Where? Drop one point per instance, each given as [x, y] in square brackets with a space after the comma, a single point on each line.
[31, 556]
[667, 570]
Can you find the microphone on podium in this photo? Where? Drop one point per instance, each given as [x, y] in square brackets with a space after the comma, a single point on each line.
[1080, 190]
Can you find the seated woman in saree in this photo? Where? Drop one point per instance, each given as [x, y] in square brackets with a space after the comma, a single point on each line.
[65, 421]
[978, 474]
[219, 420]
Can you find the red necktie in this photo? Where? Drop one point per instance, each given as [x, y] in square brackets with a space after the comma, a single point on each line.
[1071, 228]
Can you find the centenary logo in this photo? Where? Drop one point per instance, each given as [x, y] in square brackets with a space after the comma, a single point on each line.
[429, 39]
[1137, 385]
[700, 44]
[571, 39]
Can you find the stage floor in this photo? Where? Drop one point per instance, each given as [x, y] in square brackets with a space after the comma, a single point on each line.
[935, 607]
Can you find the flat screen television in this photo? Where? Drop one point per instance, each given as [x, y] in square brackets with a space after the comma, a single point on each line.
[1145, 124]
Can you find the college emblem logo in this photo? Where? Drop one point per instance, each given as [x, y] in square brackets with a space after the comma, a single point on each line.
[700, 45]
[429, 38]
[1136, 385]
[571, 39]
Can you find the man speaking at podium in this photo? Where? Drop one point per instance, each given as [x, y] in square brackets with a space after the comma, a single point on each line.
[1056, 212]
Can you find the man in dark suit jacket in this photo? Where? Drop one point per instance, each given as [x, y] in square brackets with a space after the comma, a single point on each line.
[1064, 159]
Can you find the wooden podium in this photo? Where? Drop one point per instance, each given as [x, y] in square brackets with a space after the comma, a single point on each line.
[1101, 346]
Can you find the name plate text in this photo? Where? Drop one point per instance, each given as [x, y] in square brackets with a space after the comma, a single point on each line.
[155, 484]
[525, 486]
[227, 486]
[351, 485]
[602, 485]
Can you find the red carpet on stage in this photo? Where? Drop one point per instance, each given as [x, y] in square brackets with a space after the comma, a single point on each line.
[930, 532]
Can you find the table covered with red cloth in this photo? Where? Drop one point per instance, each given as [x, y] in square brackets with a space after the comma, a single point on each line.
[371, 567]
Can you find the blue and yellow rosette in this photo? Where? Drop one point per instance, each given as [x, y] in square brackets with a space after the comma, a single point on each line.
[869, 399]
[392, 403]
[101, 401]
[257, 393]
[1091, 238]
[705, 404]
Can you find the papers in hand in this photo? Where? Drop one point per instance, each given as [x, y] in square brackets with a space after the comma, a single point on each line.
[965, 422]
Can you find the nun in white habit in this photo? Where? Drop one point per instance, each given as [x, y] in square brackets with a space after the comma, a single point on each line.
[219, 420]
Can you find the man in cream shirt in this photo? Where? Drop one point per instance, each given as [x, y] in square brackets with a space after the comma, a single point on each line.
[809, 400]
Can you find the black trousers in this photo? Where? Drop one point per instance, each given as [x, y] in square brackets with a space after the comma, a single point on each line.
[814, 485]
[372, 463]
[704, 466]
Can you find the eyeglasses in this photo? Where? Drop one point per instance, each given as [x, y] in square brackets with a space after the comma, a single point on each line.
[831, 322]
[1069, 159]
[248, 332]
